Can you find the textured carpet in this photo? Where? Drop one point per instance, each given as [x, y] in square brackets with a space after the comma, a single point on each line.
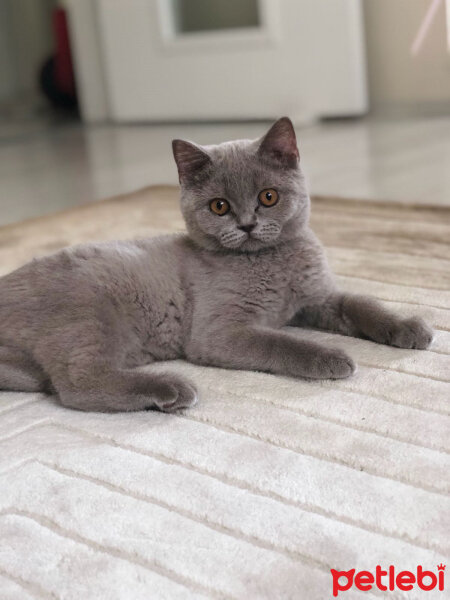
[268, 482]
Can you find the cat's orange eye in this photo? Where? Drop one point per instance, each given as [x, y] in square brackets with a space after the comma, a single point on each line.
[268, 197]
[219, 206]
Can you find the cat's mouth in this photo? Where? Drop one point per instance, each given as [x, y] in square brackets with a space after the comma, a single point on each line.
[233, 239]
[266, 234]
[253, 240]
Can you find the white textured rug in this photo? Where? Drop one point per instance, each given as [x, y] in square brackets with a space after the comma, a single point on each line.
[269, 482]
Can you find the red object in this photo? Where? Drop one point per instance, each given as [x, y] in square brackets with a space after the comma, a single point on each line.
[63, 66]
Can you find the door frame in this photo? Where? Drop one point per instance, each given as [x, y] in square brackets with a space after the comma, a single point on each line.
[88, 61]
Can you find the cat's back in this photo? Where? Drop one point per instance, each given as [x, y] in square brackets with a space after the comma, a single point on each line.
[96, 264]
[85, 280]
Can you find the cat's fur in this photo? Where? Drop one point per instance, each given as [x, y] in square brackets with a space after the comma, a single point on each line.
[78, 322]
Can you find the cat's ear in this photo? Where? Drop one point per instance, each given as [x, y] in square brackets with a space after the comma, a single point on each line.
[280, 143]
[190, 159]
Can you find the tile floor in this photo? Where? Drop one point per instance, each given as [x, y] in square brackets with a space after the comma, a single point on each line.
[44, 169]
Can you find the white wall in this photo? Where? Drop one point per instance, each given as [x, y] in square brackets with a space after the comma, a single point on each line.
[399, 82]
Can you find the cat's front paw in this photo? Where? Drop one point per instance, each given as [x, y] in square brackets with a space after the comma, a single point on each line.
[332, 364]
[409, 333]
[175, 395]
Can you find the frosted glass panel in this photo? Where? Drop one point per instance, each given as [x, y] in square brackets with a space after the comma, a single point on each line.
[211, 15]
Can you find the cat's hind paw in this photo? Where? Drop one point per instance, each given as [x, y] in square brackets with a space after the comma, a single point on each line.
[333, 364]
[176, 395]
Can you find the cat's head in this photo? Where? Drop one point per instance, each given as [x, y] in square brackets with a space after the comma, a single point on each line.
[243, 195]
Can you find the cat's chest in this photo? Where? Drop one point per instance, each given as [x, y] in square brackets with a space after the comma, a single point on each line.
[267, 285]
[265, 280]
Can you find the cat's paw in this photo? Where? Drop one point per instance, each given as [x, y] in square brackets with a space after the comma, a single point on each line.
[332, 364]
[176, 395]
[408, 333]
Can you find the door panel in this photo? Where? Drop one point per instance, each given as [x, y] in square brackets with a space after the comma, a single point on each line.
[299, 57]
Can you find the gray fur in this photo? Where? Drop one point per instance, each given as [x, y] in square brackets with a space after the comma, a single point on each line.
[80, 321]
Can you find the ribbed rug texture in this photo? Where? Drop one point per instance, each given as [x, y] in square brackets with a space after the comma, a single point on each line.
[268, 482]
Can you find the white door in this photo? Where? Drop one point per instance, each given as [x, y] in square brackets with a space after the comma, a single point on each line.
[231, 59]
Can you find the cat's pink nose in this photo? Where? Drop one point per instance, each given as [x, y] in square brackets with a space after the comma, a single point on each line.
[247, 228]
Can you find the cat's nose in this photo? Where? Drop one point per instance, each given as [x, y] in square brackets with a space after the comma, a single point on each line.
[247, 228]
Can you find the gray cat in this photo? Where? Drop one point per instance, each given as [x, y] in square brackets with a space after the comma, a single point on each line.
[77, 323]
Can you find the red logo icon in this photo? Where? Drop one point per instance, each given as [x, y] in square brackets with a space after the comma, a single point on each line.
[388, 580]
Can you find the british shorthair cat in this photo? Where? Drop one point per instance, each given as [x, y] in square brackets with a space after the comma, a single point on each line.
[78, 322]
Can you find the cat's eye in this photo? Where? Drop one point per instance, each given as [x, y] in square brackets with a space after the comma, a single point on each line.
[219, 206]
[268, 197]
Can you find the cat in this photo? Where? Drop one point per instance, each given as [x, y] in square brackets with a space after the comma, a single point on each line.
[78, 323]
